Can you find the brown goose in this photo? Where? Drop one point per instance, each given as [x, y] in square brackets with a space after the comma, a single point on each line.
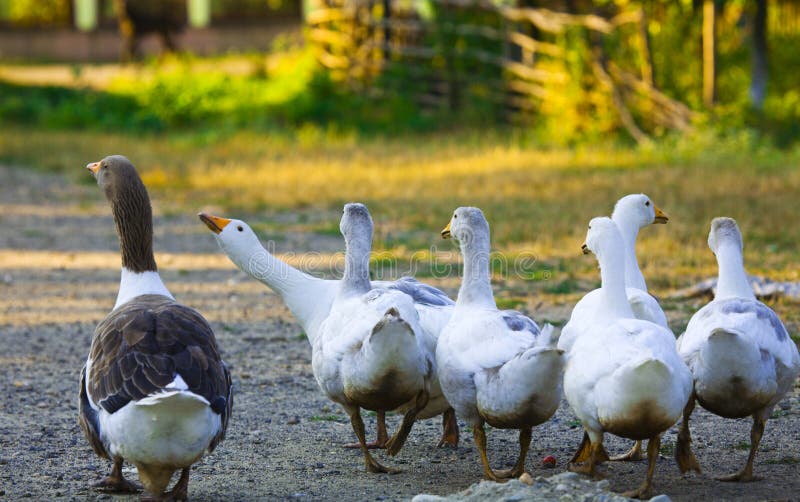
[154, 390]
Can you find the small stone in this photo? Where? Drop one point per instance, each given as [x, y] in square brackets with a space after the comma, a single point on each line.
[603, 484]
[526, 478]
[561, 487]
[661, 498]
[293, 421]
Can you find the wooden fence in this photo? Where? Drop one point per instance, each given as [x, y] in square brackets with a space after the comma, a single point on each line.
[452, 53]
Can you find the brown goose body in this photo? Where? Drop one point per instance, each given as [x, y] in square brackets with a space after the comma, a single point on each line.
[154, 391]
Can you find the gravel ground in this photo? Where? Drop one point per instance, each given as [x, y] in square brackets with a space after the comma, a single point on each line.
[58, 278]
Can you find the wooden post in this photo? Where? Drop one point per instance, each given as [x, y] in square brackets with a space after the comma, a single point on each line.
[199, 13]
[709, 53]
[759, 70]
[648, 71]
[85, 14]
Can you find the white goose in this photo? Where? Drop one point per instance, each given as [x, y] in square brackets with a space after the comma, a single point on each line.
[495, 366]
[624, 376]
[154, 390]
[631, 213]
[310, 299]
[741, 357]
[370, 351]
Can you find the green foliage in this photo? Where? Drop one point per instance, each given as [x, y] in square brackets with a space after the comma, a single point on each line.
[179, 96]
[28, 13]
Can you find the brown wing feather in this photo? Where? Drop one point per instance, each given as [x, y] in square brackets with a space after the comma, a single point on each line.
[139, 349]
[87, 417]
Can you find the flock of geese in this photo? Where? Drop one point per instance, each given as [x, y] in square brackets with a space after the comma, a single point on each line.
[156, 393]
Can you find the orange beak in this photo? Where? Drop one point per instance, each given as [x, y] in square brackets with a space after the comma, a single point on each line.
[93, 167]
[214, 223]
[661, 216]
[446, 232]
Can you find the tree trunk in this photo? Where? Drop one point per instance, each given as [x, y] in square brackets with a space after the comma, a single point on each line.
[709, 53]
[759, 71]
[648, 70]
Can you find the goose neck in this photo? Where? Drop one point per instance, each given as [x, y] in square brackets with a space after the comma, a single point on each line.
[476, 286]
[133, 219]
[356, 266]
[304, 295]
[630, 232]
[615, 296]
[732, 280]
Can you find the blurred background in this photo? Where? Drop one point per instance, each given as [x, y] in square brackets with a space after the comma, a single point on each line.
[543, 113]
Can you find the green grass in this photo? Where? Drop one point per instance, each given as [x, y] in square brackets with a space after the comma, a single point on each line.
[269, 140]
[537, 199]
[788, 460]
[326, 418]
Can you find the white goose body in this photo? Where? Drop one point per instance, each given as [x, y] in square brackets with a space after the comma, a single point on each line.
[495, 367]
[742, 359]
[624, 375]
[154, 390]
[368, 352]
[174, 426]
[311, 299]
[631, 213]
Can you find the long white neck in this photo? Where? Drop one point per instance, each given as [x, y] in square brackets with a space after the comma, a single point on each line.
[615, 298]
[476, 285]
[732, 281]
[307, 297]
[356, 266]
[630, 231]
[133, 284]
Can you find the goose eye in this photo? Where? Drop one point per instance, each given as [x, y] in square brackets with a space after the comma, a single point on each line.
[239, 228]
[647, 203]
[455, 216]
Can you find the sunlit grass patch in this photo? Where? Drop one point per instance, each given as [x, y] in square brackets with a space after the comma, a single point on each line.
[538, 200]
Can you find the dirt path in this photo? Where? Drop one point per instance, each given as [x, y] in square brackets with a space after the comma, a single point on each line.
[285, 438]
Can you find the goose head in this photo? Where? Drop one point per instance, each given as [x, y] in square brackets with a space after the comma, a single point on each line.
[466, 224]
[130, 206]
[117, 177]
[602, 238]
[638, 210]
[356, 223]
[724, 231]
[235, 237]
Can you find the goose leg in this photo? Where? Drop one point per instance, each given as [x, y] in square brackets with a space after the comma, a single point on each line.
[358, 427]
[646, 488]
[589, 454]
[582, 453]
[633, 454]
[524, 444]
[383, 436]
[746, 474]
[584, 450]
[181, 489]
[399, 439]
[449, 429]
[479, 436]
[683, 449]
[115, 482]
